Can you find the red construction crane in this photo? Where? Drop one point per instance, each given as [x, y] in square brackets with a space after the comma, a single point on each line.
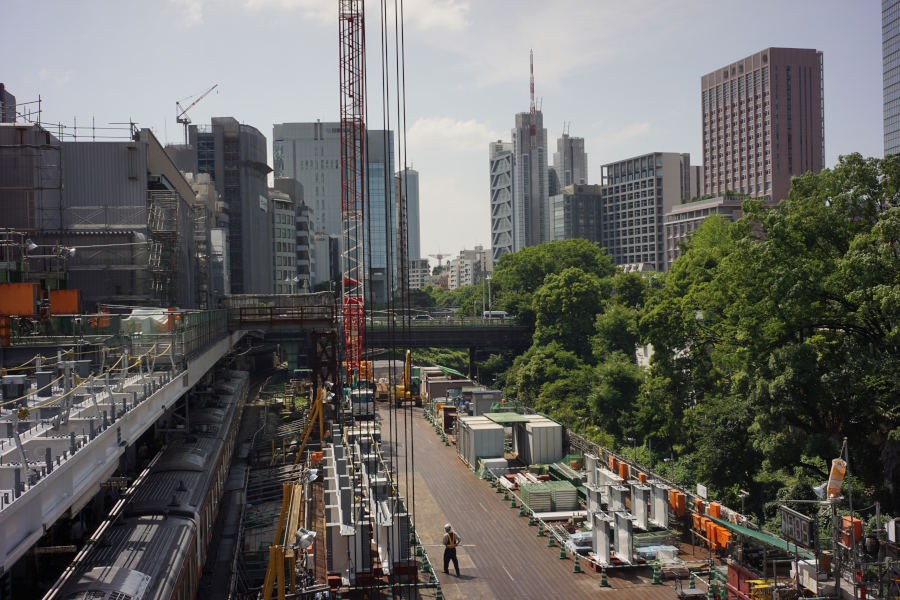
[181, 113]
[353, 165]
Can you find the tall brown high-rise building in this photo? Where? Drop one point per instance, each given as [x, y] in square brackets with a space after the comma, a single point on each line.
[763, 122]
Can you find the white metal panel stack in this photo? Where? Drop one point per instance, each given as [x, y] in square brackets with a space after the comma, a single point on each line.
[617, 496]
[590, 465]
[593, 498]
[640, 497]
[659, 507]
[624, 537]
[606, 478]
[600, 525]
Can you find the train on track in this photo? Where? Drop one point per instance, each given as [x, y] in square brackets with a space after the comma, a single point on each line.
[154, 543]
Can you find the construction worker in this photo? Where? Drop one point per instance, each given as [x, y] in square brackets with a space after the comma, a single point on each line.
[451, 541]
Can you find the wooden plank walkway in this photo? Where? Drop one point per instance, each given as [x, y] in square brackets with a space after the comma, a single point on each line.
[507, 560]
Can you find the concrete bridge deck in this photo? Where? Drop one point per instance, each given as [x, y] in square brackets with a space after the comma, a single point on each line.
[78, 462]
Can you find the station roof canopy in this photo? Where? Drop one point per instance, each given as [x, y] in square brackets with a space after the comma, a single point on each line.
[506, 418]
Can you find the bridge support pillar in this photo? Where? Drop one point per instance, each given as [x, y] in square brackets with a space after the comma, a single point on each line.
[292, 353]
[472, 368]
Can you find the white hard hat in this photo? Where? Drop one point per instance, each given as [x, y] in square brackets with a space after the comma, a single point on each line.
[447, 527]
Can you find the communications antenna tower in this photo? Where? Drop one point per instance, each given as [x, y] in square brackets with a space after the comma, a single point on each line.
[533, 112]
[353, 164]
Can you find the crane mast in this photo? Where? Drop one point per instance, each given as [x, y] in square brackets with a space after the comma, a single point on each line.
[353, 165]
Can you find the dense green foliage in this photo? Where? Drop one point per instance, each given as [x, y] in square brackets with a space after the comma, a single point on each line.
[774, 338]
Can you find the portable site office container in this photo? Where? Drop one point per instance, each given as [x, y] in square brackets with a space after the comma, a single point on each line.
[463, 426]
[481, 401]
[442, 385]
[485, 441]
[544, 440]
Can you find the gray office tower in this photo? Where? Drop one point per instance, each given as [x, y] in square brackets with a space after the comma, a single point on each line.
[311, 154]
[410, 186]
[890, 61]
[570, 161]
[235, 157]
[531, 188]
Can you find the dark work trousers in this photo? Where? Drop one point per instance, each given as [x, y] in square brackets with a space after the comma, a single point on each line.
[450, 554]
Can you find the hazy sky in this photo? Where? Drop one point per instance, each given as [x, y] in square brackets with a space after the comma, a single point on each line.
[626, 75]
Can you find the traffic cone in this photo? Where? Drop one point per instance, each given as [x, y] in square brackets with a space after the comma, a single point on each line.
[521, 510]
[551, 542]
[438, 595]
[540, 529]
[425, 565]
[493, 482]
[603, 581]
[530, 519]
[499, 486]
[691, 584]
[505, 494]
[512, 503]
[656, 580]
[577, 567]
[709, 592]
[562, 553]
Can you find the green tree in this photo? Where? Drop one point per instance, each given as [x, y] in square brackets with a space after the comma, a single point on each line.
[629, 289]
[525, 271]
[617, 331]
[565, 308]
[619, 383]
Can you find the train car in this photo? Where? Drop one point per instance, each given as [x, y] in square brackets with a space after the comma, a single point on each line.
[154, 543]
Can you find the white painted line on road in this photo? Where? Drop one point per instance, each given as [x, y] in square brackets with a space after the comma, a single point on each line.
[507, 572]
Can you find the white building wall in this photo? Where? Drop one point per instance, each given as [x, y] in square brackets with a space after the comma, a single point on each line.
[311, 154]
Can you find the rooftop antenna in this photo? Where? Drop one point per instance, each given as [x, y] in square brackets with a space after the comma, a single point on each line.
[533, 126]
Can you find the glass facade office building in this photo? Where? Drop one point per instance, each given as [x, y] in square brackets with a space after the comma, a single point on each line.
[890, 60]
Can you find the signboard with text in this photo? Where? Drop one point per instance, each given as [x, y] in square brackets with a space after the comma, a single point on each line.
[798, 528]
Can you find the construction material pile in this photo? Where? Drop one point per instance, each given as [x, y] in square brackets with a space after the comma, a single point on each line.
[549, 496]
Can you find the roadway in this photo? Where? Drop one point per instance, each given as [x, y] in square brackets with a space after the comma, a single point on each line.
[507, 559]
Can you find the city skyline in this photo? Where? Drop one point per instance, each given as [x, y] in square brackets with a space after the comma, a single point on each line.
[451, 112]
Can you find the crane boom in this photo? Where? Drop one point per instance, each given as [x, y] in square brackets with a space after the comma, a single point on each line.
[181, 113]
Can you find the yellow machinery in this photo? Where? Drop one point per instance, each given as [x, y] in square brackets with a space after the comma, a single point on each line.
[410, 388]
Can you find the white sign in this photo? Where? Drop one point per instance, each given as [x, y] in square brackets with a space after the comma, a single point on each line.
[264, 204]
[701, 491]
